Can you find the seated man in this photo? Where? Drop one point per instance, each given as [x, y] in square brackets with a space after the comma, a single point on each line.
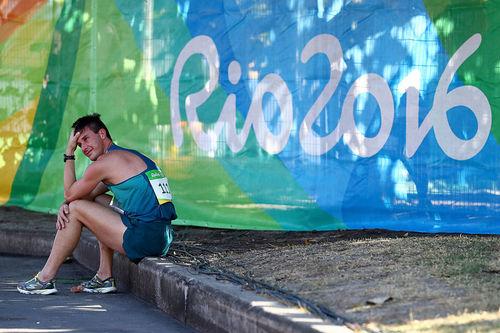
[134, 222]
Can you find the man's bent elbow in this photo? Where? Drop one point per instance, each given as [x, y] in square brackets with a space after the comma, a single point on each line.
[67, 197]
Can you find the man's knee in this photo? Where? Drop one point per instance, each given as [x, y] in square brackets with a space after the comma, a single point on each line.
[76, 207]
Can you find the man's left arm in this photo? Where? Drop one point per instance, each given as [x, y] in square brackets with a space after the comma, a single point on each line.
[101, 188]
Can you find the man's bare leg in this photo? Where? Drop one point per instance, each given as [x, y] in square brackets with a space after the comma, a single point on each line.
[105, 262]
[104, 223]
[105, 253]
[64, 243]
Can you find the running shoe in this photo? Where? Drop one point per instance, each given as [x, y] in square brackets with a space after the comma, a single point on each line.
[96, 285]
[35, 286]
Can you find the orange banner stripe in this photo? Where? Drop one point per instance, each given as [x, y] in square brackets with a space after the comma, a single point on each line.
[14, 13]
[14, 135]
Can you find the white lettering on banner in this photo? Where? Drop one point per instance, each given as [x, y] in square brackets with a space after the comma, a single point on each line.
[271, 83]
[205, 46]
[313, 144]
[468, 96]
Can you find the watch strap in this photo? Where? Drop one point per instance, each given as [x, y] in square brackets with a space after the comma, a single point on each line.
[68, 157]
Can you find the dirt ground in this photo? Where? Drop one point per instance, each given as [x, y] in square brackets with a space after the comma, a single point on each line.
[383, 280]
[379, 278]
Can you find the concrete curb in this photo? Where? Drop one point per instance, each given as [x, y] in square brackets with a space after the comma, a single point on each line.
[199, 301]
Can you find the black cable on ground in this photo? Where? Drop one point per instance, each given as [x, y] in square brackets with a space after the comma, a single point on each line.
[185, 255]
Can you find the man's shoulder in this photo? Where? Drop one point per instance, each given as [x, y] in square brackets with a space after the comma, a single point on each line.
[123, 158]
[112, 160]
[113, 156]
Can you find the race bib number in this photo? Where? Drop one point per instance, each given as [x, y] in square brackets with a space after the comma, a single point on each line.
[160, 185]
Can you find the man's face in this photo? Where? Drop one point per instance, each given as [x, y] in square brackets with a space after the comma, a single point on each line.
[92, 144]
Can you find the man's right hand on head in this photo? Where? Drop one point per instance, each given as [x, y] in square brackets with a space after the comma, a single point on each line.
[62, 216]
[72, 142]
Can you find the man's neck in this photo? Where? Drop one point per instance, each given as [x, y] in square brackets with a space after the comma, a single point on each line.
[108, 143]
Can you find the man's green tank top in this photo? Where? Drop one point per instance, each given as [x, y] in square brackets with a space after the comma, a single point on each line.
[146, 196]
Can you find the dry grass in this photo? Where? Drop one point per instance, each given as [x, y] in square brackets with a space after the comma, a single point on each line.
[434, 283]
[486, 322]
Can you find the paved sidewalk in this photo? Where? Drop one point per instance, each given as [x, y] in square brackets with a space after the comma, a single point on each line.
[68, 312]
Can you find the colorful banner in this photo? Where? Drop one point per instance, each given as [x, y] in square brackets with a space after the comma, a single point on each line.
[274, 115]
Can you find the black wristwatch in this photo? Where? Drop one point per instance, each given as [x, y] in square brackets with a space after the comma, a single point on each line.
[68, 157]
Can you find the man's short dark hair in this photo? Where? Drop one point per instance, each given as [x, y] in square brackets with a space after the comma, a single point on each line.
[92, 121]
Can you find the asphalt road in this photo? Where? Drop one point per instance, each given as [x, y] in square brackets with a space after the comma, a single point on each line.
[69, 312]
